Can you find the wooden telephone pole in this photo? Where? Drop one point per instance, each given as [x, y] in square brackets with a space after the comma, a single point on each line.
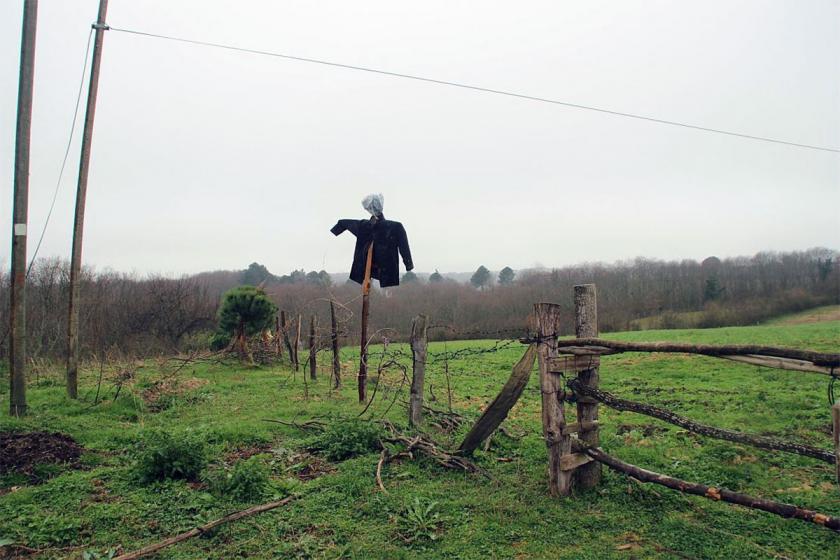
[17, 315]
[81, 195]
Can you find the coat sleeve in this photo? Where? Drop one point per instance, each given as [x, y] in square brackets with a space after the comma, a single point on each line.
[346, 225]
[403, 247]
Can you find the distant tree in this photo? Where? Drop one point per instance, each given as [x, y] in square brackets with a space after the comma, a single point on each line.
[712, 289]
[506, 276]
[409, 278]
[824, 267]
[297, 276]
[436, 277]
[326, 279]
[481, 277]
[244, 311]
[313, 278]
[256, 274]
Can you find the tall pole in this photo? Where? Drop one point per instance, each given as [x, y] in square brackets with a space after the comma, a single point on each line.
[79, 220]
[17, 315]
[363, 346]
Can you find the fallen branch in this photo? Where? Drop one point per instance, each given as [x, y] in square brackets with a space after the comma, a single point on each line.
[718, 494]
[382, 458]
[152, 548]
[730, 435]
[430, 449]
[601, 346]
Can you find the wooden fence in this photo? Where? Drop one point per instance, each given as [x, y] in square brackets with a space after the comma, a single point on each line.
[574, 458]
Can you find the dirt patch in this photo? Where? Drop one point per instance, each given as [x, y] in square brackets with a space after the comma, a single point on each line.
[246, 453]
[830, 313]
[24, 452]
[647, 430]
[312, 468]
[165, 392]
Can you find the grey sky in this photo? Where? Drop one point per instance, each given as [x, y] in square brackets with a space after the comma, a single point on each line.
[207, 159]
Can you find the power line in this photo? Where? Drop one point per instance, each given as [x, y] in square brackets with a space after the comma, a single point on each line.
[66, 154]
[475, 88]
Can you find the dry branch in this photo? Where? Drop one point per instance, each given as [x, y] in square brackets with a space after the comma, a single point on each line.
[730, 435]
[719, 494]
[152, 548]
[601, 346]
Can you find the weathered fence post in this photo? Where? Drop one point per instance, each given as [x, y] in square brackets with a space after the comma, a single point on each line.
[419, 343]
[547, 317]
[586, 326]
[297, 343]
[835, 425]
[335, 349]
[313, 349]
[278, 340]
[285, 328]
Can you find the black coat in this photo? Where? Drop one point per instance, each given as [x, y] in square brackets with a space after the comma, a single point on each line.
[388, 238]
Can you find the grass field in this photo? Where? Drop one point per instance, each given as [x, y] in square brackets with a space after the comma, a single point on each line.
[429, 512]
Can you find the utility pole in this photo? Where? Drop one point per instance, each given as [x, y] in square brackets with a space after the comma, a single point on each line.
[17, 315]
[79, 220]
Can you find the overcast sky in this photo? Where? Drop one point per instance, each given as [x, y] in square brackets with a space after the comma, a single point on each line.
[210, 159]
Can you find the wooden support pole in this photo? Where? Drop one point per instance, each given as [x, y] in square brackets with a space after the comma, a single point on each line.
[20, 213]
[336, 362]
[419, 343]
[586, 326]
[284, 326]
[278, 338]
[665, 415]
[547, 317]
[835, 431]
[363, 345]
[497, 411]
[718, 494]
[297, 343]
[79, 217]
[313, 349]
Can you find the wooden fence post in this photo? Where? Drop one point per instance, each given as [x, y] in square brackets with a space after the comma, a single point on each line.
[547, 317]
[284, 326]
[835, 424]
[586, 326]
[278, 339]
[297, 343]
[313, 349]
[419, 343]
[335, 349]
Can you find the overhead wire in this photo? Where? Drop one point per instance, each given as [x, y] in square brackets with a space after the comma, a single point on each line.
[66, 154]
[475, 88]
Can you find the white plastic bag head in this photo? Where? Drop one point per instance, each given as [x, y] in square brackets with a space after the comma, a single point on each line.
[373, 203]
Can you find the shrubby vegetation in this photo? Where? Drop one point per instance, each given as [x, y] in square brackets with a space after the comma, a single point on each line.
[161, 455]
[155, 315]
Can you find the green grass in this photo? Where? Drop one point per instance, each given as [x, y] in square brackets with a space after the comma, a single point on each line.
[432, 513]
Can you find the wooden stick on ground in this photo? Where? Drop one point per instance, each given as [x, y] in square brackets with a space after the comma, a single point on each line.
[152, 548]
[665, 415]
[718, 494]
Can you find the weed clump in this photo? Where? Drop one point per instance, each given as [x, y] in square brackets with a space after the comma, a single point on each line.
[160, 456]
[247, 481]
[348, 438]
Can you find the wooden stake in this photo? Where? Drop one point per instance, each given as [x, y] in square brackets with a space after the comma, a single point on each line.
[586, 326]
[79, 219]
[553, 414]
[835, 425]
[297, 343]
[365, 311]
[419, 344]
[20, 213]
[335, 349]
[313, 350]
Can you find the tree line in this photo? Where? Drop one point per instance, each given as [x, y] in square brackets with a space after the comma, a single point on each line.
[153, 315]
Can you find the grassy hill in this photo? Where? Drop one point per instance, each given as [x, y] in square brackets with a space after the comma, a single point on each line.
[101, 505]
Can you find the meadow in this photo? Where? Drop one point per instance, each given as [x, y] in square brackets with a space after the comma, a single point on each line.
[101, 506]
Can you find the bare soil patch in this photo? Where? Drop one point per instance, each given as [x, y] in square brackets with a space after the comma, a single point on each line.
[160, 394]
[22, 452]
